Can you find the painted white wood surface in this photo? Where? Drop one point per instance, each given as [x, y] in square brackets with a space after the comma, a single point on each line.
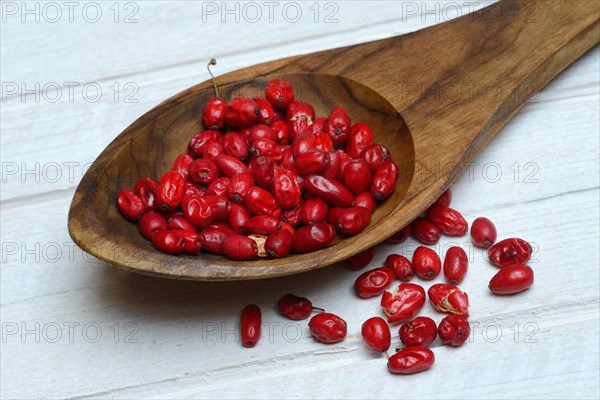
[184, 345]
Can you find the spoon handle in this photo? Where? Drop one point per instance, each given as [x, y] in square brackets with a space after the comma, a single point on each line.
[456, 84]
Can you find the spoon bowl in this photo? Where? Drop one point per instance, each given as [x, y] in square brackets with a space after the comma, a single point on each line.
[404, 87]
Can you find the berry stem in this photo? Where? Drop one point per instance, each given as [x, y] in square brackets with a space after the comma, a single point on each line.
[319, 309]
[213, 62]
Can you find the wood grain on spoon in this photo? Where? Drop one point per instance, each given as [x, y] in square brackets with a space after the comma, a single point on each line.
[434, 97]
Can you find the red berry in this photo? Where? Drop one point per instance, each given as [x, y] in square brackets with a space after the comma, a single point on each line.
[401, 266]
[242, 112]
[402, 305]
[169, 191]
[483, 232]
[512, 279]
[218, 187]
[199, 141]
[508, 252]
[279, 243]
[312, 238]
[456, 263]
[235, 145]
[366, 201]
[450, 221]
[375, 155]
[360, 138]
[426, 263]
[295, 307]
[448, 298]
[328, 328]
[130, 205]
[411, 360]
[182, 164]
[353, 220]
[314, 210]
[197, 210]
[170, 242]
[203, 171]
[357, 176]
[261, 168]
[266, 111]
[279, 93]
[239, 186]
[285, 187]
[240, 248]
[384, 180]
[421, 331]
[250, 325]
[338, 127]
[376, 334]
[145, 189]
[214, 239]
[151, 222]
[374, 282]
[213, 115]
[178, 222]
[454, 330]
[425, 231]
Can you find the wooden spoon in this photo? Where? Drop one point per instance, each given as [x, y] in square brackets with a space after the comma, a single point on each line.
[434, 97]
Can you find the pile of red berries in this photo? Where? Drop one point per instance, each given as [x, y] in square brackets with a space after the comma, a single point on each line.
[265, 179]
[402, 307]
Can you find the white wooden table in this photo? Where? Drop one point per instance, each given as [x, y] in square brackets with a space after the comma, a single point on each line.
[75, 327]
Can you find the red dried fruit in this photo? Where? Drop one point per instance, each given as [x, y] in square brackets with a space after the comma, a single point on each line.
[169, 191]
[376, 334]
[312, 238]
[401, 266]
[508, 252]
[250, 325]
[372, 283]
[328, 328]
[411, 360]
[314, 210]
[454, 330]
[130, 205]
[170, 242]
[329, 190]
[513, 279]
[235, 145]
[196, 210]
[450, 221]
[240, 248]
[406, 302]
[213, 115]
[425, 231]
[384, 180]
[150, 223]
[295, 307]
[421, 331]
[279, 93]
[242, 112]
[456, 263]
[426, 263]
[356, 176]
[483, 232]
[360, 138]
[279, 243]
[449, 299]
